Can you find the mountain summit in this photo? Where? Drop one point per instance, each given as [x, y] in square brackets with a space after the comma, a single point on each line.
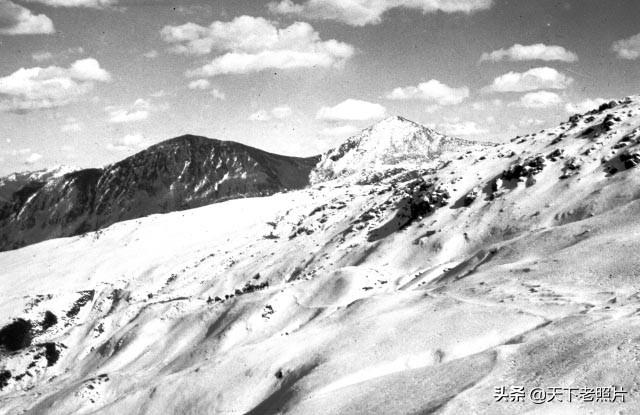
[176, 174]
[392, 143]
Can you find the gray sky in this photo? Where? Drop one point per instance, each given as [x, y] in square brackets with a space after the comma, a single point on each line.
[88, 82]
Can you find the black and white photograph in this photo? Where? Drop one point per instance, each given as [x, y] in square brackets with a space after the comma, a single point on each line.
[320, 207]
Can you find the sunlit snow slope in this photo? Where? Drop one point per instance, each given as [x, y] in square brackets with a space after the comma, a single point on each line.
[418, 289]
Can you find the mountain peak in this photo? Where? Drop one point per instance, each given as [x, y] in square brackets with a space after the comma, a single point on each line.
[187, 139]
[395, 122]
[391, 143]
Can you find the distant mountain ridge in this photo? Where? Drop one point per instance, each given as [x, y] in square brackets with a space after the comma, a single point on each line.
[15, 181]
[176, 174]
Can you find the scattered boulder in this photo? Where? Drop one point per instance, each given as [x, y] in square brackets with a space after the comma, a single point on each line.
[595, 131]
[607, 106]
[5, 376]
[630, 159]
[267, 312]
[49, 320]
[571, 167]
[16, 335]
[51, 353]
[470, 197]
[555, 154]
[85, 297]
[525, 168]
[575, 118]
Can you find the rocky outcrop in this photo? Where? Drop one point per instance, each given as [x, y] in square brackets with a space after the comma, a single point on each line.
[419, 199]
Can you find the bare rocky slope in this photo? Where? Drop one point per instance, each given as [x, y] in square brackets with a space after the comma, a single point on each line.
[421, 289]
[177, 174]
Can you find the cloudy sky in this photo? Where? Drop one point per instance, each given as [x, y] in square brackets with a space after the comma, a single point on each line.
[88, 82]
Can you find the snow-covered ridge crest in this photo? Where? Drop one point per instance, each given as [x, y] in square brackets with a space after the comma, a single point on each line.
[392, 143]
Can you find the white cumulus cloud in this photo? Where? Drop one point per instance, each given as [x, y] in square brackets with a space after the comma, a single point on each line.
[71, 125]
[199, 84]
[152, 54]
[277, 113]
[538, 51]
[483, 105]
[364, 12]
[217, 94]
[432, 91]
[29, 89]
[352, 110]
[260, 115]
[339, 130]
[41, 56]
[460, 128]
[281, 112]
[531, 80]
[18, 20]
[539, 100]
[129, 142]
[252, 44]
[138, 111]
[33, 158]
[76, 3]
[628, 48]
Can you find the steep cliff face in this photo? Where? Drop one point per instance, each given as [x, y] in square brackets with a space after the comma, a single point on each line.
[180, 173]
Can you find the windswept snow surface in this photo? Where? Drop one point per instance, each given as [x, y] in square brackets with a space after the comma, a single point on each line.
[418, 290]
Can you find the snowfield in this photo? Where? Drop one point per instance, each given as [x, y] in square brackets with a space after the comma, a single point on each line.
[392, 285]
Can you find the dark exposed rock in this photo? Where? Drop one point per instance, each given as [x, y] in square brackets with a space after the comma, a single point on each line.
[555, 154]
[5, 376]
[595, 131]
[49, 320]
[419, 198]
[85, 297]
[16, 335]
[575, 118]
[528, 167]
[571, 167]
[51, 353]
[470, 197]
[630, 159]
[607, 106]
[557, 139]
[268, 311]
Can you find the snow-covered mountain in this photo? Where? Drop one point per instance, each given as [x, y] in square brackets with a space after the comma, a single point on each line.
[423, 290]
[180, 173]
[392, 144]
[15, 181]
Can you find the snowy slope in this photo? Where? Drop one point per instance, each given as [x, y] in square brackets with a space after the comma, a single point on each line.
[419, 292]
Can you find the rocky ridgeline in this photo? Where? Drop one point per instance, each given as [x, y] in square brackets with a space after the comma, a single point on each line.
[181, 173]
